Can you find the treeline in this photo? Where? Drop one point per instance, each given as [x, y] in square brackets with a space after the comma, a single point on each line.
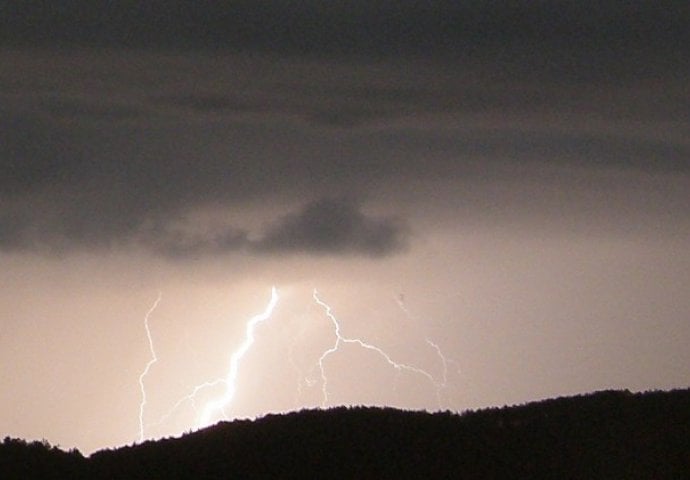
[30, 460]
[603, 435]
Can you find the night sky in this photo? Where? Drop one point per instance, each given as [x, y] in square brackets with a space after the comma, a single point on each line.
[503, 184]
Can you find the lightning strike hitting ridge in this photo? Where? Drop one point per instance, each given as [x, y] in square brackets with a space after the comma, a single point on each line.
[444, 360]
[214, 406]
[153, 360]
[340, 339]
[230, 379]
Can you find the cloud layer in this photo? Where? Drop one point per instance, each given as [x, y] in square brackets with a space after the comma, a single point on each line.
[332, 225]
[120, 123]
[328, 226]
[580, 29]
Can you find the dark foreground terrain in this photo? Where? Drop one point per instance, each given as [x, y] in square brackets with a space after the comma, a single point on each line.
[607, 435]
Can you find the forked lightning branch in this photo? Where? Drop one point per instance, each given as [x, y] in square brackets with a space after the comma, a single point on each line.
[218, 408]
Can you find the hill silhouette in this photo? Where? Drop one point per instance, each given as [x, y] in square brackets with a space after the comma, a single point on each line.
[603, 435]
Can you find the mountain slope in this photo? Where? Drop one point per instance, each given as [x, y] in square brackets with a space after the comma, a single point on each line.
[602, 435]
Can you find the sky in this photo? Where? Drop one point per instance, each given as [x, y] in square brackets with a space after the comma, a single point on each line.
[491, 197]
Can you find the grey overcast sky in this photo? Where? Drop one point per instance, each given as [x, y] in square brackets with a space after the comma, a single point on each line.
[506, 180]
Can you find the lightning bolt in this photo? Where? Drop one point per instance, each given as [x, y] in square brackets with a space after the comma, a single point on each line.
[154, 359]
[230, 379]
[445, 361]
[340, 339]
[219, 405]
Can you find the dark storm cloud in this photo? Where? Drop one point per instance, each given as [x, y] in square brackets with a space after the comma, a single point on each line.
[324, 227]
[335, 25]
[67, 187]
[14, 233]
[81, 109]
[525, 146]
[567, 37]
[334, 225]
[183, 244]
[210, 102]
[196, 106]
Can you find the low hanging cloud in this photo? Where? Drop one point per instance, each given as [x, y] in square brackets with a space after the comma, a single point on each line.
[332, 225]
[324, 227]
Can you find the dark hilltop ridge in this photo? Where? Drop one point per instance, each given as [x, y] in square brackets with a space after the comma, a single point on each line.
[603, 435]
